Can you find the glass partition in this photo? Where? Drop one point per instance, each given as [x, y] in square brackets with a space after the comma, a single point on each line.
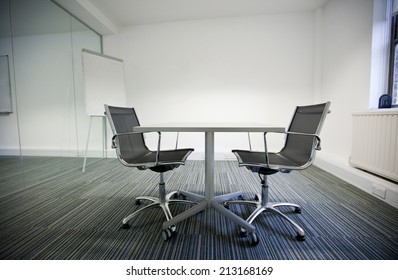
[47, 45]
[10, 163]
[43, 73]
[43, 44]
[8, 120]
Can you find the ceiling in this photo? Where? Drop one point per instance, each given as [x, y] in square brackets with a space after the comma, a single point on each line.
[132, 12]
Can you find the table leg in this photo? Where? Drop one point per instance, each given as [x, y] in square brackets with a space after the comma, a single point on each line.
[209, 185]
[209, 166]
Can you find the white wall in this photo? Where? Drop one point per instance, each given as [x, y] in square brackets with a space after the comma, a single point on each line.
[347, 42]
[346, 81]
[254, 69]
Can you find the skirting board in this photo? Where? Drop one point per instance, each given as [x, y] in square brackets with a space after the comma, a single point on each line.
[358, 178]
[10, 152]
[53, 153]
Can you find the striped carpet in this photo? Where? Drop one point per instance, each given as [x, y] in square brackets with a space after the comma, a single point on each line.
[49, 209]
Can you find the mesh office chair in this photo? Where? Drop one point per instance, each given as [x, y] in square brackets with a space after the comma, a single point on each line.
[298, 153]
[132, 151]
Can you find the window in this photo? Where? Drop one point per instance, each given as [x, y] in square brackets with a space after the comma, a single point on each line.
[393, 77]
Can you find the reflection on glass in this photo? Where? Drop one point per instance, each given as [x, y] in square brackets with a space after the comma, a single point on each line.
[8, 123]
[43, 43]
[43, 72]
[47, 44]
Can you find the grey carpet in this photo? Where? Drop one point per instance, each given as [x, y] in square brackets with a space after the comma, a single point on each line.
[49, 209]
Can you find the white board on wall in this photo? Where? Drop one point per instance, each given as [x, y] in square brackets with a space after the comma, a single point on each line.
[104, 82]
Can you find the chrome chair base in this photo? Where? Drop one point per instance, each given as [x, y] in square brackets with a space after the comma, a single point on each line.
[163, 201]
[262, 205]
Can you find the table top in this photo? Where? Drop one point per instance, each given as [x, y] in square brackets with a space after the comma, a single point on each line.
[209, 127]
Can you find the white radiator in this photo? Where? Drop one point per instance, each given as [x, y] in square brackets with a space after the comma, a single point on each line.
[375, 142]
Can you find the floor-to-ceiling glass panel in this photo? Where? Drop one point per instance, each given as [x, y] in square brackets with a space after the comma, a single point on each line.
[10, 161]
[43, 73]
[45, 51]
[9, 138]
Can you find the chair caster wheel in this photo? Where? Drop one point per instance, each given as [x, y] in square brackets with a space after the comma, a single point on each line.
[166, 234]
[242, 232]
[169, 233]
[300, 237]
[297, 210]
[125, 226]
[253, 239]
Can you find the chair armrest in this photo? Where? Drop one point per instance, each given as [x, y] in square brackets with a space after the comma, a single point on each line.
[250, 141]
[316, 136]
[177, 138]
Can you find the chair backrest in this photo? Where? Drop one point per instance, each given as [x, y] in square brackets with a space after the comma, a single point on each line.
[306, 119]
[123, 120]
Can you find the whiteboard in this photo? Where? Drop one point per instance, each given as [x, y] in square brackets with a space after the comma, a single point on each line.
[103, 82]
[5, 86]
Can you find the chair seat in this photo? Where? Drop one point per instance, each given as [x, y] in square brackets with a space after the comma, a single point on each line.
[256, 161]
[168, 159]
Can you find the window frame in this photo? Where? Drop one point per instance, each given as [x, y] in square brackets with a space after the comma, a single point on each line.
[393, 60]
